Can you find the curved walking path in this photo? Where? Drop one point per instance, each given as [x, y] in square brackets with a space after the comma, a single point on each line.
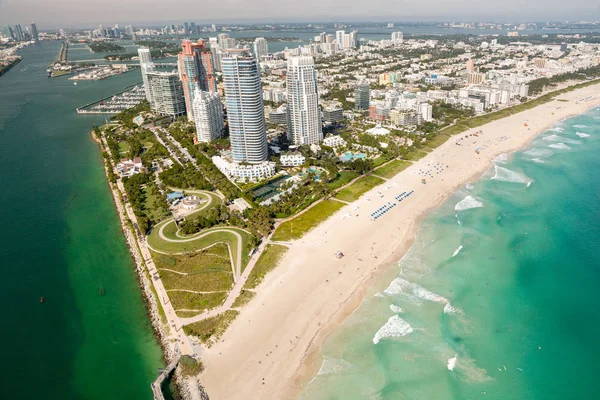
[238, 260]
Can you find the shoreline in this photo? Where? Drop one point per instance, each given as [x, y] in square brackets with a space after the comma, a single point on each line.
[310, 315]
[168, 348]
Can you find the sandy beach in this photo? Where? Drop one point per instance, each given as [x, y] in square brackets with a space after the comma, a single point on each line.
[273, 348]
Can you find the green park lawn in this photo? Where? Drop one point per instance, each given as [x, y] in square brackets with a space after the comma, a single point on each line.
[358, 188]
[208, 331]
[297, 227]
[392, 168]
[343, 178]
[268, 261]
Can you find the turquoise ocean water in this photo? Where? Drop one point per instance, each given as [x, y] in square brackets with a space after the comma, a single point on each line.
[498, 297]
[61, 239]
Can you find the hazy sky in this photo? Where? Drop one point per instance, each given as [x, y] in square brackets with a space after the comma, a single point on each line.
[77, 13]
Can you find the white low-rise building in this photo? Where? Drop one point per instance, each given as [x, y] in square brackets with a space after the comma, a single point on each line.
[334, 141]
[129, 168]
[292, 160]
[241, 172]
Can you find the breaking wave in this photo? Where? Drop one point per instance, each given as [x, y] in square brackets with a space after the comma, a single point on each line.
[537, 152]
[449, 309]
[396, 309]
[560, 146]
[394, 327]
[457, 251]
[452, 362]
[506, 175]
[538, 160]
[581, 126]
[556, 129]
[331, 366]
[553, 138]
[467, 203]
[582, 135]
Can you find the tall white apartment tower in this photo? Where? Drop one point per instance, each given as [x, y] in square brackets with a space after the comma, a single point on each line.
[397, 37]
[208, 115]
[146, 66]
[245, 109]
[261, 48]
[304, 116]
[339, 37]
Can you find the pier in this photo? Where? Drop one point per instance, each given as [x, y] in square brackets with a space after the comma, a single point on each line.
[157, 384]
[63, 53]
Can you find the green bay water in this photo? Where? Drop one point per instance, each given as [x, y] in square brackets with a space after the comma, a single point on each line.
[497, 298]
[61, 239]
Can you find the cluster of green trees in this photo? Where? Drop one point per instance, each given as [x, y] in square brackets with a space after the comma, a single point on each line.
[538, 85]
[146, 216]
[214, 216]
[155, 44]
[185, 177]
[104, 47]
[447, 113]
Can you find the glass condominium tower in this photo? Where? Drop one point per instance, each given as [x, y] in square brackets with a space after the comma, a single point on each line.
[245, 109]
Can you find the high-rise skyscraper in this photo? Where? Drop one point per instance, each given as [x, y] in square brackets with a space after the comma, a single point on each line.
[261, 48]
[245, 109]
[19, 35]
[34, 32]
[362, 97]
[304, 115]
[196, 71]
[208, 115]
[166, 93]
[339, 37]
[221, 38]
[146, 66]
[8, 31]
[397, 37]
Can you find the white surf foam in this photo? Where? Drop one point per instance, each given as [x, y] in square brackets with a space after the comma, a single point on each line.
[582, 135]
[556, 129]
[396, 309]
[449, 309]
[553, 138]
[452, 362]
[538, 160]
[556, 138]
[467, 203]
[469, 186]
[331, 366]
[414, 291]
[379, 294]
[581, 126]
[506, 175]
[537, 152]
[457, 251]
[560, 146]
[394, 327]
[502, 157]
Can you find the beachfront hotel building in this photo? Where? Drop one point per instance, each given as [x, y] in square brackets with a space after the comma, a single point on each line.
[242, 172]
[146, 66]
[195, 67]
[208, 115]
[166, 93]
[304, 115]
[261, 48]
[245, 109]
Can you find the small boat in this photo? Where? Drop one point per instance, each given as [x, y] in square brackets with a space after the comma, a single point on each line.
[41, 299]
[75, 83]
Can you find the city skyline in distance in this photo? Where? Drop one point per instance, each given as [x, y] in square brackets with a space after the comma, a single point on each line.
[72, 14]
